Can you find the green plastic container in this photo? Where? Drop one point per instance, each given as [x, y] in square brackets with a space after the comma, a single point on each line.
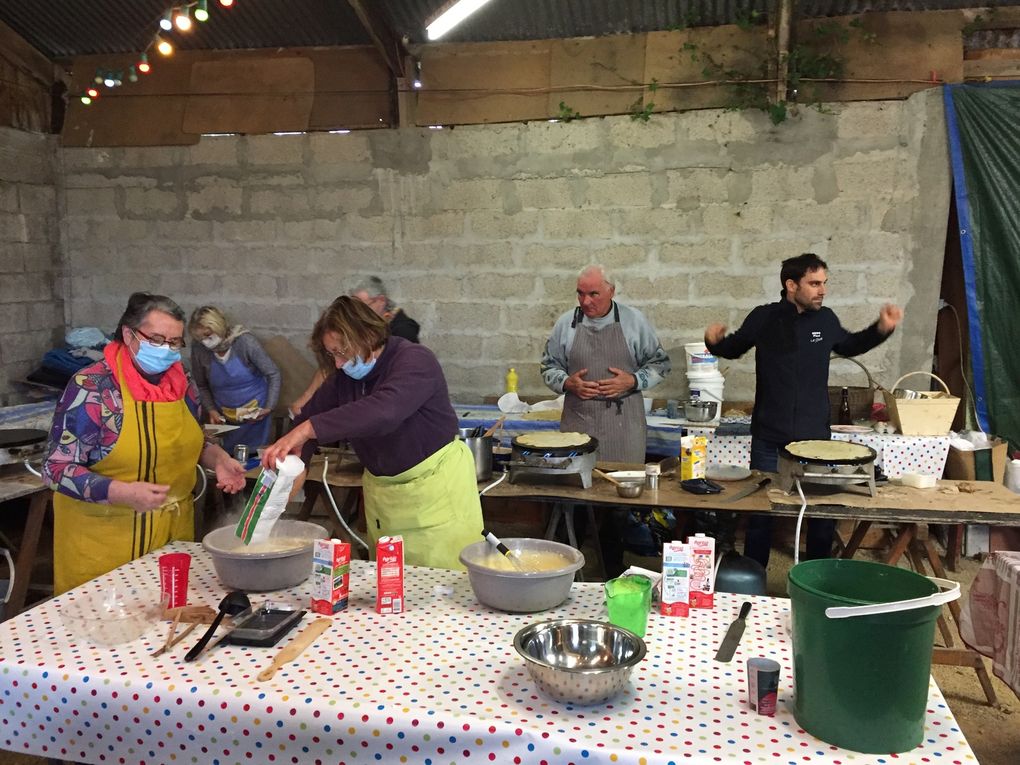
[861, 681]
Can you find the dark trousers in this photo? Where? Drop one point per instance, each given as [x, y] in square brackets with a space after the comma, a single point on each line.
[758, 536]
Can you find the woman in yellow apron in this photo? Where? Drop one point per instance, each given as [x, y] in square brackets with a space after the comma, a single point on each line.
[124, 446]
[388, 398]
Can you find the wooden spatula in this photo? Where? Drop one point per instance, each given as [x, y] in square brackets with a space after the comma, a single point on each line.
[608, 477]
[293, 649]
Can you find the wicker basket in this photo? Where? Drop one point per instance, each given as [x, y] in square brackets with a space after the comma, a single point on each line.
[861, 398]
[926, 416]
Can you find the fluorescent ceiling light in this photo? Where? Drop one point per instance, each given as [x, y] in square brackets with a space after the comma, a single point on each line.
[451, 15]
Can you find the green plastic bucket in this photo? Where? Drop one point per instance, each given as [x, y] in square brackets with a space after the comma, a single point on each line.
[861, 678]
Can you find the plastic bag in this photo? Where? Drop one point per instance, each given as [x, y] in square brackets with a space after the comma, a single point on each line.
[268, 500]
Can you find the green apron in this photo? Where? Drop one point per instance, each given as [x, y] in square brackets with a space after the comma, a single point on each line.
[434, 506]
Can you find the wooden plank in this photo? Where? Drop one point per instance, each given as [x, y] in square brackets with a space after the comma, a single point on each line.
[387, 43]
[352, 90]
[995, 68]
[613, 68]
[246, 95]
[467, 83]
[22, 54]
[999, 54]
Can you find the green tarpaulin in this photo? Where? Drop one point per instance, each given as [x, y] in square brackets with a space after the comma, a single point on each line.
[984, 141]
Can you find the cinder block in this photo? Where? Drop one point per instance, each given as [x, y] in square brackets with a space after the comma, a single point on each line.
[619, 190]
[870, 119]
[718, 288]
[150, 156]
[417, 228]
[27, 345]
[638, 289]
[511, 348]
[91, 202]
[358, 228]
[37, 199]
[765, 253]
[722, 126]
[660, 223]
[499, 287]
[431, 287]
[24, 288]
[345, 199]
[493, 224]
[8, 197]
[264, 150]
[36, 256]
[704, 184]
[736, 219]
[214, 150]
[841, 215]
[715, 252]
[152, 203]
[477, 141]
[562, 261]
[545, 193]
[187, 230]
[11, 260]
[73, 159]
[13, 228]
[280, 203]
[563, 137]
[13, 317]
[462, 346]
[340, 148]
[626, 133]
[873, 175]
[215, 199]
[244, 231]
[781, 182]
[582, 225]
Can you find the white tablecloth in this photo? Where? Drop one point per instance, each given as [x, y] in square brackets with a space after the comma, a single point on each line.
[440, 683]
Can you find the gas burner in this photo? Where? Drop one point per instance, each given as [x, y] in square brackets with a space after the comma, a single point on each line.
[853, 473]
[568, 463]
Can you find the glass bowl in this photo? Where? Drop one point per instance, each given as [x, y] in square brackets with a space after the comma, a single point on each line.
[112, 615]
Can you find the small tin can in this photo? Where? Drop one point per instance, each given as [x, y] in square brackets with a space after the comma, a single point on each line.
[763, 685]
[241, 453]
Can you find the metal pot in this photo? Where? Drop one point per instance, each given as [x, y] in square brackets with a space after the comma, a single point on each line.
[699, 410]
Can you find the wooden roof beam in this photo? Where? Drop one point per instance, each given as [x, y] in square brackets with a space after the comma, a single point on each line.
[385, 40]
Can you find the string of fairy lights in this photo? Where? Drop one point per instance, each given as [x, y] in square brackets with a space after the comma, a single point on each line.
[179, 18]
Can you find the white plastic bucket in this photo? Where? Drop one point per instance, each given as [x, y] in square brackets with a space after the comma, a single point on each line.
[698, 357]
[707, 386]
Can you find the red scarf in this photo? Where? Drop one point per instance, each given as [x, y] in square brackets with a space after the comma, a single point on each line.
[172, 385]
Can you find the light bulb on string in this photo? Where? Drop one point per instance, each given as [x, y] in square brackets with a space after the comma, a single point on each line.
[98, 79]
[183, 19]
[202, 10]
[132, 74]
[108, 80]
[164, 46]
[166, 22]
[86, 100]
[226, 3]
[143, 64]
[92, 93]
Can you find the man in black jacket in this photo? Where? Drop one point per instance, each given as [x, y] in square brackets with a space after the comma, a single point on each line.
[792, 339]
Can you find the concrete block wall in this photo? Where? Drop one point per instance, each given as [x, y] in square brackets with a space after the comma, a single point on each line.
[479, 231]
[31, 310]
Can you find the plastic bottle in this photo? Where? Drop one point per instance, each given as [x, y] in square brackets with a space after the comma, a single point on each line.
[511, 381]
[844, 407]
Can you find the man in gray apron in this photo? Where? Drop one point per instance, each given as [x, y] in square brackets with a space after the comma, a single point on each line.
[602, 355]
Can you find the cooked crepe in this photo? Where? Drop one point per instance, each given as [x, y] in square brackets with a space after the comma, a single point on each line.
[828, 451]
[552, 439]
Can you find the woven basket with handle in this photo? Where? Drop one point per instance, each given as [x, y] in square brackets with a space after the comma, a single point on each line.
[930, 415]
[861, 398]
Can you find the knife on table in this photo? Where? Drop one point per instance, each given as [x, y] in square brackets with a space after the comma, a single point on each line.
[747, 491]
[728, 647]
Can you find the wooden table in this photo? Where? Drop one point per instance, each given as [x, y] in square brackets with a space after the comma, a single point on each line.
[17, 482]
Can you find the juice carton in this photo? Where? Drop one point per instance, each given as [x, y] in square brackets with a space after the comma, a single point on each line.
[676, 579]
[331, 576]
[389, 561]
[702, 571]
[693, 457]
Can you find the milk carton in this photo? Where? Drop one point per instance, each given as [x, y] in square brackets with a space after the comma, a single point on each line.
[702, 571]
[389, 588]
[693, 457]
[331, 576]
[676, 579]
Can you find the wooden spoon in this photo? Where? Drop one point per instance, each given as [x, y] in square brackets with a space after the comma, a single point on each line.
[608, 477]
[497, 424]
[293, 649]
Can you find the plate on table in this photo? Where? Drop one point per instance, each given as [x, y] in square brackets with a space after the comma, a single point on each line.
[851, 429]
[719, 472]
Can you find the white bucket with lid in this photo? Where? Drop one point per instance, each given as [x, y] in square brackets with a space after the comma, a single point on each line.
[699, 359]
[706, 386]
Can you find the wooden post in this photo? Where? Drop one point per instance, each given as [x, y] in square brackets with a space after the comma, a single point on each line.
[779, 29]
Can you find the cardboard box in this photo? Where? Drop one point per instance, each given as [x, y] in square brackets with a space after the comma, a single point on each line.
[693, 457]
[978, 465]
[331, 576]
[389, 558]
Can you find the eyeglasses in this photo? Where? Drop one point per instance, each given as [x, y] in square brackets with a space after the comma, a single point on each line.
[176, 343]
[343, 355]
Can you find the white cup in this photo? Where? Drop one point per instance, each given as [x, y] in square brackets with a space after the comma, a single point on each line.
[648, 405]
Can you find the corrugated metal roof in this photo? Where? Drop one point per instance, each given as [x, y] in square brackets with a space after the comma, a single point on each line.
[67, 28]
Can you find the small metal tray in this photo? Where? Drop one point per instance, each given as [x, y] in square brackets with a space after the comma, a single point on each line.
[264, 626]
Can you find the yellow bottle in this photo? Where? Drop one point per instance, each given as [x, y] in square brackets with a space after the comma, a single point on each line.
[511, 381]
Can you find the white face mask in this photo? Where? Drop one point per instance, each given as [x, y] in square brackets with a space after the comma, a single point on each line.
[212, 341]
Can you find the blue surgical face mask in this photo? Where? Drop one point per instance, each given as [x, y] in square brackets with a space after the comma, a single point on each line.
[356, 368]
[155, 359]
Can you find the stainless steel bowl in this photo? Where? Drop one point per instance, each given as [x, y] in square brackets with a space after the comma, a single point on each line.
[524, 591]
[579, 661]
[697, 410]
[630, 489]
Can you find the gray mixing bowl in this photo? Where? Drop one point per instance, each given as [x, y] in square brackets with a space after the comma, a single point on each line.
[252, 569]
[521, 591]
[579, 661]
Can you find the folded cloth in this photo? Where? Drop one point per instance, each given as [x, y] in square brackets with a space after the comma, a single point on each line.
[990, 617]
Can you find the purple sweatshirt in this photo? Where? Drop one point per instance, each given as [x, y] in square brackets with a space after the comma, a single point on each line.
[398, 415]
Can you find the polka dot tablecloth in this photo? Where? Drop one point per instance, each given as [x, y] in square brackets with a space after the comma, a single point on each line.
[440, 683]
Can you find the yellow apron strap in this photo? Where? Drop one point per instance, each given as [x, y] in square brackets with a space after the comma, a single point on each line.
[159, 442]
[434, 506]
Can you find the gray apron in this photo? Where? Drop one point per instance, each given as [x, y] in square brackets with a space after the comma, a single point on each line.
[617, 423]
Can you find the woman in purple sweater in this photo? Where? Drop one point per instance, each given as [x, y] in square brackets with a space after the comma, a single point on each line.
[389, 400]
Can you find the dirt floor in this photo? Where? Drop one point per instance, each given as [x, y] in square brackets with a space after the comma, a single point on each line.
[993, 732]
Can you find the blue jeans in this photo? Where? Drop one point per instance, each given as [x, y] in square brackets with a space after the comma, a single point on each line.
[758, 536]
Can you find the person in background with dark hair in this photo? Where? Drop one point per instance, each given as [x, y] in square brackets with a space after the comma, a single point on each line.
[372, 292]
[388, 397]
[238, 382]
[125, 442]
[793, 339]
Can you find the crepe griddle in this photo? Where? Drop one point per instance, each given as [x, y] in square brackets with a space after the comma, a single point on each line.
[14, 437]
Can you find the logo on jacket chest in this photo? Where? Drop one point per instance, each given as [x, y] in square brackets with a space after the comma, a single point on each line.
[816, 336]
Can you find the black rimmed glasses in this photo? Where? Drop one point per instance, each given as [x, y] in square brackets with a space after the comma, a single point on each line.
[175, 343]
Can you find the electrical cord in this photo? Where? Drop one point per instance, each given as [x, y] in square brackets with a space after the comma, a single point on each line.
[355, 537]
[494, 484]
[800, 518]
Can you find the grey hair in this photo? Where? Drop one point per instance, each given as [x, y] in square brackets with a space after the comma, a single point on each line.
[140, 305]
[373, 286]
[598, 268]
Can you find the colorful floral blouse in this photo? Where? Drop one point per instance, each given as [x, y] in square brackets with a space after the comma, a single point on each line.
[86, 425]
